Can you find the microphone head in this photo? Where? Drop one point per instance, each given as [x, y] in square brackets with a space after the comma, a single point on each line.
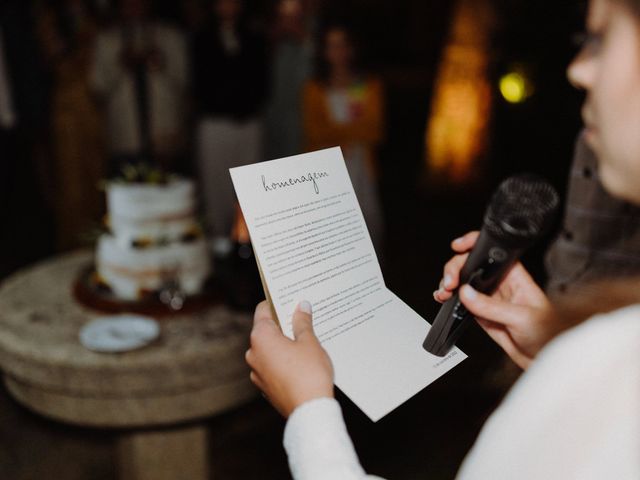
[522, 209]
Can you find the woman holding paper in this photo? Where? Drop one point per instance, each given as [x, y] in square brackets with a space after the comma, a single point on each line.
[575, 412]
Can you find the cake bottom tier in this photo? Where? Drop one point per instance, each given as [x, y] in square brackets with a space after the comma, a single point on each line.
[133, 273]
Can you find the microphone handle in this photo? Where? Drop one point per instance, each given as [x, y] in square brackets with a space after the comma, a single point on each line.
[485, 268]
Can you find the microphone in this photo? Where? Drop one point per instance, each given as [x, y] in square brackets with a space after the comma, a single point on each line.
[520, 212]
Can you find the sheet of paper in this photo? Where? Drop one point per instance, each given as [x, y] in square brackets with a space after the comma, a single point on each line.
[312, 243]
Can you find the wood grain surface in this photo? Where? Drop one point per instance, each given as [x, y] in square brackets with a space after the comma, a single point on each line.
[196, 368]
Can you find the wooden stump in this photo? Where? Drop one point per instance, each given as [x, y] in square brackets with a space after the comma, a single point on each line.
[194, 370]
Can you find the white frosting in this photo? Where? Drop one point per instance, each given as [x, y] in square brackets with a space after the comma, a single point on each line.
[160, 215]
[129, 270]
[139, 211]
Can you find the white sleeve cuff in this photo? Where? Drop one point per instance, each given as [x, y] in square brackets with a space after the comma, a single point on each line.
[318, 445]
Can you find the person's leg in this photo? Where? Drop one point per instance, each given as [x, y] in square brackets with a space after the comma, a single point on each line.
[366, 191]
[250, 145]
[215, 152]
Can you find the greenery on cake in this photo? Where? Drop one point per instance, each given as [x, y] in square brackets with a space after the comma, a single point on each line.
[90, 235]
[142, 173]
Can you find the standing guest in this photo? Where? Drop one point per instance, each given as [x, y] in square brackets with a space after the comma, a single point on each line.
[575, 412]
[291, 66]
[67, 34]
[229, 85]
[140, 72]
[344, 107]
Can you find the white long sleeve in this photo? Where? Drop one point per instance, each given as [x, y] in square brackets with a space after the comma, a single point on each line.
[575, 414]
[318, 445]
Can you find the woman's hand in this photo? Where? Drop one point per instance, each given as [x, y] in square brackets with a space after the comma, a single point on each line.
[518, 315]
[451, 277]
[289, 372]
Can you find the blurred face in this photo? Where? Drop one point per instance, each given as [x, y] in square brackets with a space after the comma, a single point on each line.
[338, 49]
[608, 69]
[135, 9]
[227, 10]
[290, 8]
[290, 14]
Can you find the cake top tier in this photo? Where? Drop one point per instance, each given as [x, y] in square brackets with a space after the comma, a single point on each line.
[173, 200]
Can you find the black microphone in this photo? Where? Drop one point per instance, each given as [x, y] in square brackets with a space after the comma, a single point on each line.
[521, 211]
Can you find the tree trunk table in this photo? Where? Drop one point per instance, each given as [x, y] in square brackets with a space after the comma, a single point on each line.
[156, 395]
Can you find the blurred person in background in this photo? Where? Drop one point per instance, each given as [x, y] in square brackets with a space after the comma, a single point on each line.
[343, 106]
[67, 30]
[292, 56]
[140, 72]
[25, 230]
[192, 15]
[229, 89]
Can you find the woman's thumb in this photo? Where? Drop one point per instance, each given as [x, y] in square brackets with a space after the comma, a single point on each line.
[302, 321]
[489, 308]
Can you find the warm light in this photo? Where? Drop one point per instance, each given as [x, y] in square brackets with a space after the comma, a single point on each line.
[458, 126]
[514, 87]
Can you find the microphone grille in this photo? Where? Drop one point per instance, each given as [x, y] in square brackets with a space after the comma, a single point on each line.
[522, 209]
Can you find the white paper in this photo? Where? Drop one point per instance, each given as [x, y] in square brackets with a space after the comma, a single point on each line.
[311, 243]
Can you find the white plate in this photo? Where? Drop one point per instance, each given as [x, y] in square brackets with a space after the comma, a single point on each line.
[119, 333]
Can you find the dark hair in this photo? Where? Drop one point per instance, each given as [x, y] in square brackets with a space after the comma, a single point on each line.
[243, 21]
[65, 23]
[634, 5]
[322, 66]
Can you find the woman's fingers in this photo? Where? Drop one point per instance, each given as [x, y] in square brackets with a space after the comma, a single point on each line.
[442, 295]
[263, 314]
[501, 336]
[465, 242]
[520, 278]
[451, 275]
[302, 322]
[451, 278]
[264, 327]
[490, 308]
[263, 309]
[256, 380]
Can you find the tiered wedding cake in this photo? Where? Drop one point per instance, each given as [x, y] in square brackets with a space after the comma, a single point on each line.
[154, 240]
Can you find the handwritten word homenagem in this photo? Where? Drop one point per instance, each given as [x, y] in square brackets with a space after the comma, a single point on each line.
[290, 182]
